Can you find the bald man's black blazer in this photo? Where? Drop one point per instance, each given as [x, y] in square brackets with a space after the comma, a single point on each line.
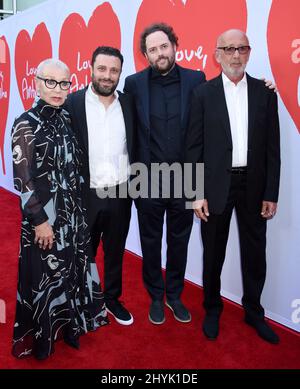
[208, 140]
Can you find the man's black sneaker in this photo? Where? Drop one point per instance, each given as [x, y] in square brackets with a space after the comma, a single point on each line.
[119, 312]
[180, 312]
[156, 312]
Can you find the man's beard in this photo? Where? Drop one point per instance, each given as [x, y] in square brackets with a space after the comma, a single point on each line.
[235, 72]
[103, 91]
[167, 68]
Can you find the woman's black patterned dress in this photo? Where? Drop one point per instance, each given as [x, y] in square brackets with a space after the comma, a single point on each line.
[58, 289]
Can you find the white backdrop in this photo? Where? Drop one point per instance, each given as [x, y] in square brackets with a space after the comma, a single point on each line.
[283, 249]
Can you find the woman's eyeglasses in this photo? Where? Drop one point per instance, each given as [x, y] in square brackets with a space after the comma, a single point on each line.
[51, 84]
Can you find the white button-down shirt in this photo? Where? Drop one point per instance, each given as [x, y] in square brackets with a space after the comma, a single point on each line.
[237, 105]
[108, 155]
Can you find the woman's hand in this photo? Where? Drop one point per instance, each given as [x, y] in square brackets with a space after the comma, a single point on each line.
[44, 235]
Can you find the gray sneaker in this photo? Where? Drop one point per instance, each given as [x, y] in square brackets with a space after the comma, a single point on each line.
[180, 312]
[156, 312]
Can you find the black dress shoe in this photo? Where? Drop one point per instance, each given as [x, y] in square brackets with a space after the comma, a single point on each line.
[263, 330]
[41, 356]
[72, 341]
[41, 350]
[210, 326]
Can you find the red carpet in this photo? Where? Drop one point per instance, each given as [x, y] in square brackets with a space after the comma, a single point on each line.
[172, 345]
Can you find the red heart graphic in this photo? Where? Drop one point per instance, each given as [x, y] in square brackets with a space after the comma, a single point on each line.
[4, 93]
[28, 54]
[284, 53]
[78, 41]
[197, 23]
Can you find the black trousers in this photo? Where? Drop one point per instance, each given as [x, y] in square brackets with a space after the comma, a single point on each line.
[179, 223]
[109, 220]
[252, 235]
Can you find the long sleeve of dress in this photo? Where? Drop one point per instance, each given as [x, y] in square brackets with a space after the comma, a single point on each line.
[25, 171]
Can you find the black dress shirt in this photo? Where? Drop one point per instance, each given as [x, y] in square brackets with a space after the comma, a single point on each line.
[165, 114]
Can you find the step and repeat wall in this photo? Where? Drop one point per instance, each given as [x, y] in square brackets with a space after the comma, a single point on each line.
[71, 30]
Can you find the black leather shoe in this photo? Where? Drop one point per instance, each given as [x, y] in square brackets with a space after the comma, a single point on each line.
[210, 326]
[180, 312]
[156, 312]
[41, 356]
[263, 330]
[72, 341]
[41, 350]
[69, 338]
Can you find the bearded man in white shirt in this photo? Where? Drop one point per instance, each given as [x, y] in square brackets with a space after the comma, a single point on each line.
[105, 125]
[234, 131]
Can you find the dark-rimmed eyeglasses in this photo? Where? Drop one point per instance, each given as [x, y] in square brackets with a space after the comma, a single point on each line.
[51, 84]
[230, 50]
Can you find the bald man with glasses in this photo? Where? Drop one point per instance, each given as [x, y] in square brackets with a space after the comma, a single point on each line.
[234, 131]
